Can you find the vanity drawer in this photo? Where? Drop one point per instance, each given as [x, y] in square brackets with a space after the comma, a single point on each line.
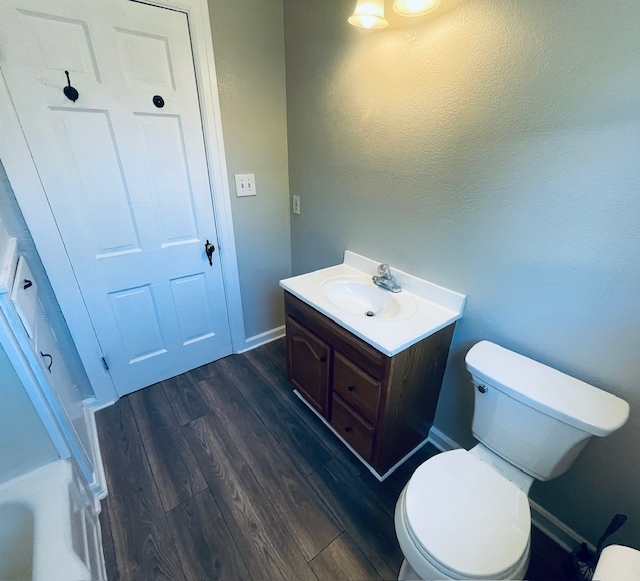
[356, 388]
[356, 431]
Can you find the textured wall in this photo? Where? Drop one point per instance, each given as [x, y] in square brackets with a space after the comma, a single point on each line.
[494, 150]
[248, 45]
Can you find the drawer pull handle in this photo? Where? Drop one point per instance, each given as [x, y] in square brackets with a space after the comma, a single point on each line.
[347, 429]
[50, 362]
[351, 388]
[27, 284]
[323, 359]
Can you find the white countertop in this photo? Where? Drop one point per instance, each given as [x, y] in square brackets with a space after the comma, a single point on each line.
[435, 307]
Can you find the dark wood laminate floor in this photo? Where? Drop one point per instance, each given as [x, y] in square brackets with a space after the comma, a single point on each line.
[222, 473]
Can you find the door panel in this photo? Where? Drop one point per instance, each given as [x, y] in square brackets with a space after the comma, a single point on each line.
[189, 297]
[136, 315]
[145, 59]
[127, 181]
[89, 144]
[60, 43]
[167, 165]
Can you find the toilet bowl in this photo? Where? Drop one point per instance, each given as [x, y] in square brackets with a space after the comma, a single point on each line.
[465, 514]
[458, 493]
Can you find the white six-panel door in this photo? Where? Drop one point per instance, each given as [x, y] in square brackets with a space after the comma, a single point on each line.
[127, 181]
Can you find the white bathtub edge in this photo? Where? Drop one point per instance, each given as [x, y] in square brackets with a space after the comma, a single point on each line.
[47, 492]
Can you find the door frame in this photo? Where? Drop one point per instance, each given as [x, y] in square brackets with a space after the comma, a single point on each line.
[31, 197]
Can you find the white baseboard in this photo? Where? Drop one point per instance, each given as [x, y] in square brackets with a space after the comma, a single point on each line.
[541, 518]
[441, 441]
[99, 486]
[262, 338]
[555, 529]
[95, 406]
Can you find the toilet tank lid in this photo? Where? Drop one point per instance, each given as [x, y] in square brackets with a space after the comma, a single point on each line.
[559, 395]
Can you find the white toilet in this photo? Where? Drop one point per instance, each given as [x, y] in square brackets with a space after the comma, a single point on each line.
[465, 514]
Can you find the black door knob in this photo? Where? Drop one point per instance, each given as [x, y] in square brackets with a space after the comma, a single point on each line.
[209, 249]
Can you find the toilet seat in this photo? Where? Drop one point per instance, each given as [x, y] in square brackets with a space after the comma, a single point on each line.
[466, 519]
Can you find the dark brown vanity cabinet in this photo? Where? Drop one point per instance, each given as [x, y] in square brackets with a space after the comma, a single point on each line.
[382, 406]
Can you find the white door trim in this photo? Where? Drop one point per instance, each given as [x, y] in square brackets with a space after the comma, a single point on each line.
[21, 171]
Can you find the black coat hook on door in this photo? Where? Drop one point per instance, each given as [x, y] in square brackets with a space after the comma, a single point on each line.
[69, 91]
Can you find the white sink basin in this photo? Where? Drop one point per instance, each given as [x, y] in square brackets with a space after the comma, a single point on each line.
[388, 321]
[359, 296]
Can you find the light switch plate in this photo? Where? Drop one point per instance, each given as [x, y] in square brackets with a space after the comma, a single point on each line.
[245, 184]
[296, 204]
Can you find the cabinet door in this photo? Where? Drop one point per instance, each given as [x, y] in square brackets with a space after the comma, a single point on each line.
[308, 365]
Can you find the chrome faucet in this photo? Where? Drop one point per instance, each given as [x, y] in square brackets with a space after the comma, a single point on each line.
[385, 280]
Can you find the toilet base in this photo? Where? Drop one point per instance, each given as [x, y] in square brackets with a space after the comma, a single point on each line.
[407, 573]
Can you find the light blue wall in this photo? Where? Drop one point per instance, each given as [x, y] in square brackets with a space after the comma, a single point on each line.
[24, 442]
[494, 150]
[14, 221]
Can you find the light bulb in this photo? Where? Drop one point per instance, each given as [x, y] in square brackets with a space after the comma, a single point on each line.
[415, 7]
[369, 14]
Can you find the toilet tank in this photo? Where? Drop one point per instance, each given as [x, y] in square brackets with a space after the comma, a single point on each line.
[533, 416]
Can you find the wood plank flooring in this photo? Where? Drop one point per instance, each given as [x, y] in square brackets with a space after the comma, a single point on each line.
[222, 473]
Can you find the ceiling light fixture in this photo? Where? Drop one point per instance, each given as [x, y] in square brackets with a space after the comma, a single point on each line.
[415, 7]
[369, 14]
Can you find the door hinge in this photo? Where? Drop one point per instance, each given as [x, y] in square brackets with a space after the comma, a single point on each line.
[106, 365]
